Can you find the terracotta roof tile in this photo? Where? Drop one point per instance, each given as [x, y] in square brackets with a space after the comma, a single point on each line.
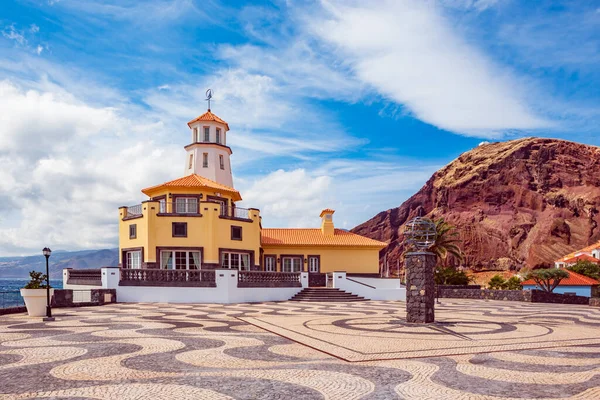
[314, 237]
[587, 249]
[195, 181]
[209, 116]
[574, 279]
[581, 257]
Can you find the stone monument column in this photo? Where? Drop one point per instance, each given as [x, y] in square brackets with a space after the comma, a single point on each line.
[420, 287]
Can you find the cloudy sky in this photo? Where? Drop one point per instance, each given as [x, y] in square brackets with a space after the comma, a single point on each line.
[331, 103]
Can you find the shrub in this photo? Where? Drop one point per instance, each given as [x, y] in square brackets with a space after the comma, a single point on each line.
[586, 268]
[497, 282]
[37, 280]
[450, 276]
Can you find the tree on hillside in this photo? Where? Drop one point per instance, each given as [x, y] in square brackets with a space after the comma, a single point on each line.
[446, 241]
[586, 268]
[548, 279]
[496, 283]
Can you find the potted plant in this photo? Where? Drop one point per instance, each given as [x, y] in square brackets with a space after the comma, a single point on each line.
[34, 294]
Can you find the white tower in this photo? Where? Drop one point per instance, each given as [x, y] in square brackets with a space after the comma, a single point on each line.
[208, 154]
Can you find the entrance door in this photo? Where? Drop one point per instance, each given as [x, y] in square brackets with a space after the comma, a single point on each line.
[315, 277]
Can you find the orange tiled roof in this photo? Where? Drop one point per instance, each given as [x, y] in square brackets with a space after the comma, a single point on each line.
[195, 181]
[314, 237]
[587, 249]
[209, 116]
[574, 279]
[581, 257]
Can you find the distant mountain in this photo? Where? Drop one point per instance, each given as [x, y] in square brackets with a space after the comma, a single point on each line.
[516, 203]
[19, 267]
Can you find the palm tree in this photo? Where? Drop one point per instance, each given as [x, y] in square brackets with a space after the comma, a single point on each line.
[446, 241]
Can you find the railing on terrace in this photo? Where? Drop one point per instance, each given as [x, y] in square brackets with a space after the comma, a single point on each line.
[134, 211]
[92, 277]
[235, 212]
[268, 279]
[10, 299]
[167, 277]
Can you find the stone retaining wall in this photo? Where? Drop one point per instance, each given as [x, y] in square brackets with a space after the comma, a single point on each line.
[475, 292]
[529, 296]
[595, 302]
[64, 298]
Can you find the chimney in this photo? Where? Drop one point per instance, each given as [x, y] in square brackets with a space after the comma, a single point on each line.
[327, 222]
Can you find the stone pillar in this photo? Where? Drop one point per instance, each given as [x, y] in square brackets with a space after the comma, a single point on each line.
[420, 287]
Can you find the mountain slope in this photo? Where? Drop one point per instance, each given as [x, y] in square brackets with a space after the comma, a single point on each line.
[19, 267]
[525, 201]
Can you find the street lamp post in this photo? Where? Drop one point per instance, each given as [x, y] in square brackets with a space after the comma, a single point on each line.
[46, 251]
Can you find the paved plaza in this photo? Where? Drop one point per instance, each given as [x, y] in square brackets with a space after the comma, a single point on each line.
[293, 350]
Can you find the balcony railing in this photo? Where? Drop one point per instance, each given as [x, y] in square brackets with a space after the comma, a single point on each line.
[167, 277]
[235, 212]
[268, 279]
[134, 211]
[167, 208]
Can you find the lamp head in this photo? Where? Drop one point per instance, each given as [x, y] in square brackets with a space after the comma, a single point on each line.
[46, 252]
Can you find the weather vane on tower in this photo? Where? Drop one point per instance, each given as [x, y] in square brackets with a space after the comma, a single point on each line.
[208, 97]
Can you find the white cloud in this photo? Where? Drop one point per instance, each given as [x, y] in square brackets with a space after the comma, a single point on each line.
[67, 166]
[39, 49]
[13, 34]
[33, 28]
[407, 51]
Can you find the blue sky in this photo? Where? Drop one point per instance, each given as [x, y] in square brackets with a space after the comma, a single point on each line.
[331, 103]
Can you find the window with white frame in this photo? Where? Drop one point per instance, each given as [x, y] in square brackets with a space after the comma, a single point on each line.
[205, 160]
[218, 135]
[206, 134]
[186, 205]
[291, 264]
[180, 259]
[196, 135]
[133, 259]
[313, 264]
[270, 264]
[235, 260]
[162, 205]
[221, 161]
[191, 161]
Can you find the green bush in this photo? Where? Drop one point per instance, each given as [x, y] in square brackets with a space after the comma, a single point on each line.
[37, 280]
[499, 283]
[586, 268]
[450, 276]
[513, 283]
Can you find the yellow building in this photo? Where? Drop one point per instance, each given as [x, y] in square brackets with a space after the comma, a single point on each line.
[193, 223]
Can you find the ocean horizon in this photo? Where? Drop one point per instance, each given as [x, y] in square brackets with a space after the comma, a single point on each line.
[10, 296]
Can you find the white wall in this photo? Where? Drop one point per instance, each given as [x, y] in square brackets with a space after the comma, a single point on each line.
[380, 291]
[226, 292]
[379, 283]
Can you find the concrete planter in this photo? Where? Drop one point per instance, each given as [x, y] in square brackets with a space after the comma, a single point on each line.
[35, 301]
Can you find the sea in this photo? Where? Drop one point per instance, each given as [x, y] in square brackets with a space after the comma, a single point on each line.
[9, 291]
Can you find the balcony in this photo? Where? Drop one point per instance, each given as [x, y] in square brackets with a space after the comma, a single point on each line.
[187, 209]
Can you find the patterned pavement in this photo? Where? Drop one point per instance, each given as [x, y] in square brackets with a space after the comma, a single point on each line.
[294, 350]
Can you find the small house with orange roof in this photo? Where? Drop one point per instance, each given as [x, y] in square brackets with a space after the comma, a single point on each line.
[575, 284]
[590, 253]
[194, 223]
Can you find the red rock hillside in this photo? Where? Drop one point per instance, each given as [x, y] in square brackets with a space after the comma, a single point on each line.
[515, 203]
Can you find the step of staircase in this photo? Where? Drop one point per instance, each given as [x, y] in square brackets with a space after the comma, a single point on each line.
[325, 295]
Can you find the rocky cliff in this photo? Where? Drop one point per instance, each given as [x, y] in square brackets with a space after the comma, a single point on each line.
[515, 203]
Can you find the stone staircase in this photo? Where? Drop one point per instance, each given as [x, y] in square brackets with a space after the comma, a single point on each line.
[326, 295]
